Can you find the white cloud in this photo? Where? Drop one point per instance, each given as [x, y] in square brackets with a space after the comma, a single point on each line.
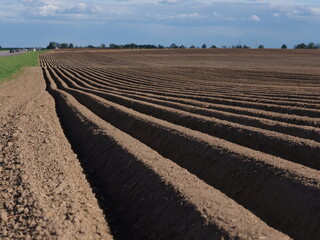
[177, 16]
[81, 8]
[294, 13]
[297, 12]
[255, 18]
[170, 1]
[216, 11]
[188, 15]
[315, 10]
[216, 14]
[48, 10]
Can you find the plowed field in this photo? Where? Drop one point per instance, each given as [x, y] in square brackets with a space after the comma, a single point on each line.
[195, 144]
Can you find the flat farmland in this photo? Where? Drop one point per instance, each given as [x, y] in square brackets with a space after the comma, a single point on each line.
[194, 143]
[197, 144]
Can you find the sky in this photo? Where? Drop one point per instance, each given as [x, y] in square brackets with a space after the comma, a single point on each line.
[35, 23]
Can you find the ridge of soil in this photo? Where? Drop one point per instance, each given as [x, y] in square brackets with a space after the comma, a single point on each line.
[245, 123]
[44, 193]
[152, 193]
[202, 155]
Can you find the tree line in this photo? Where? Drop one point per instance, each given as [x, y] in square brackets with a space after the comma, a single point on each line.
[309, 46]
[55, 45]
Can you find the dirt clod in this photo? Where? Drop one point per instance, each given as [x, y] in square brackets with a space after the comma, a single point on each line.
[3, 216]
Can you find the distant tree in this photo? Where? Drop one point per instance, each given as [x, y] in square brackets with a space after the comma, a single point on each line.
[261, 46]
[213, 46]
[113, 46]
[102, 45]
[192, 46]
[284, 46]
[90, 46]
[301, 46]
[146, 46]
[173, 45]
[182, 46]
[135, 46]
[71, 45]
[245, 46]
[312, 46]
[204, 46]
[52, 45]
[64, 45]
[131, 46]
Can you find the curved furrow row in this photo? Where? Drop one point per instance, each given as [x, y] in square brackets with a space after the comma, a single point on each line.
[194, 106]
[314, 113]
[208, 86]
[247, 76]
[233, 169]
[129, 81]
[237, 83]
[291, 129]
[303, 151]
[153, 75]
[134, 171]
[123, 78]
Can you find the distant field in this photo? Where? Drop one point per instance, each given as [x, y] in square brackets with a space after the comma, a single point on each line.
[13, 64]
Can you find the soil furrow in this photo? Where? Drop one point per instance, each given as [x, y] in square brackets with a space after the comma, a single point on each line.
[138, 82]
[235, 170]
[299, 150]
[291, 129]
[294, 119]
[216, 82]
[244, 101]
[145, 187]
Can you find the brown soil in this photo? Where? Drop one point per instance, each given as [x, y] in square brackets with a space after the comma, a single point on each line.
[176, 144]
[159, 198]
[44, 193]
[291, 148]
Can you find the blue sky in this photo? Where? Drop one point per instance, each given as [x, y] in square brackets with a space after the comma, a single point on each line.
[250, 22]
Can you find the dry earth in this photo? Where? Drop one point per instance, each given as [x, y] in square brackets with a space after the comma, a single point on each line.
[44, 193]
[176, 144]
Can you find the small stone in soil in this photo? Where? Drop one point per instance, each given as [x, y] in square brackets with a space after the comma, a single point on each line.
[3, 216]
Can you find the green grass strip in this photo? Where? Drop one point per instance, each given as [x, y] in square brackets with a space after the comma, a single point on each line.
[10, 65]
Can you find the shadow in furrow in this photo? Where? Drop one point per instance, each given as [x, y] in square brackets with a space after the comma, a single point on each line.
[119, 229]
